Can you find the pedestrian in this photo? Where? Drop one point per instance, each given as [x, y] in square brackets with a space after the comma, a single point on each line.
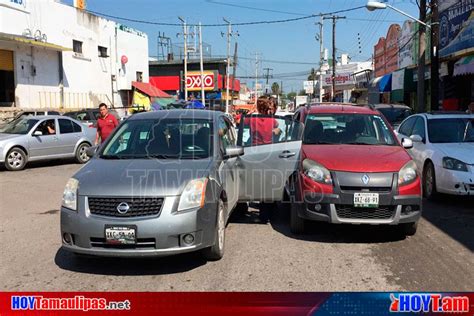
[106, 123]
[262, 129]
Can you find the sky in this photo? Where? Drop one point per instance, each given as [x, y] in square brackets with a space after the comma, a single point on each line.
[286, 42]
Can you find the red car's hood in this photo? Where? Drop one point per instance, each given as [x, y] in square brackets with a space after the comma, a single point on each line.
[358, 158]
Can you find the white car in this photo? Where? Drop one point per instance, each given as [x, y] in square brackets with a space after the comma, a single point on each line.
[443, 149]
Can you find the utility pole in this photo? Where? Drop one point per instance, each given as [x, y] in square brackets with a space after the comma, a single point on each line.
[234, 65]
[434, 55]
[267, 76]
[334, 18]
[421, 59]
[185, 34]
[201, 62]
[229, 31]
[321, 58]
[256, 78]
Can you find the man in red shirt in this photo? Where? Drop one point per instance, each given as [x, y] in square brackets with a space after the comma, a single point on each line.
[262, 129]
[106, 123]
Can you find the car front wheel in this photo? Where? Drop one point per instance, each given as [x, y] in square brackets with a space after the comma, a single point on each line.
[409, 229]
[429, 182]
[297, 224]
[15, 160]
[216, 251]
[81, 153]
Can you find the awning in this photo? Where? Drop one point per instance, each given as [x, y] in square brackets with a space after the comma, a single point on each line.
[30, 41]
[150, 90]
[464, 66]
[381, 84]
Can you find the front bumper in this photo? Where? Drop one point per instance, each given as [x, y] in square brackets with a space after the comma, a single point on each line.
[455, 182]
[159, 235]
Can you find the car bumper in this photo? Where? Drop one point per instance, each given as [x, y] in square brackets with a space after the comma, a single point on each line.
[160, 235]
[455, 182]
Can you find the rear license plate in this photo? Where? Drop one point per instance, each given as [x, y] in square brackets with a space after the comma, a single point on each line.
[366, 199]
[120, 235]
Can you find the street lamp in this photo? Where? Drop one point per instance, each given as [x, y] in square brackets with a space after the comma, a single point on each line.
[375, 5]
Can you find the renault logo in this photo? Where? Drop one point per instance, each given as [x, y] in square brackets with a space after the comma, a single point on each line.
[365, 179]
[123, 208]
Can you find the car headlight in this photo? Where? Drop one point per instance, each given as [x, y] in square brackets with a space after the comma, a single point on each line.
[407, 174]
[316, 172]
[193, 195]
[454, 164]
[70, 194]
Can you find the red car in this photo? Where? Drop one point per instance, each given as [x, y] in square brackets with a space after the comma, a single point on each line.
[353, 170]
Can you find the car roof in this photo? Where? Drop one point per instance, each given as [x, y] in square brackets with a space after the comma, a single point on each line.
[386, 106]
[178, 113]
[333, 109]
[446, 115]
[51, 116]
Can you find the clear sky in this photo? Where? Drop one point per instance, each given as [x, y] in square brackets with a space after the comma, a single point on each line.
[293, 41]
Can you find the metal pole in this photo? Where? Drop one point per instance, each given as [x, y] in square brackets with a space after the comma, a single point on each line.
[333, 87]
[421, 21]
[256, 78]
[267, 76]
[185, 34]
[203, 97]
[234, 65]
[434, 55]
[321, 59]
[229, 31]
[421, 60]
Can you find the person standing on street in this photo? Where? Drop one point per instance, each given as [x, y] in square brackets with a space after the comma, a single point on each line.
[106, 123]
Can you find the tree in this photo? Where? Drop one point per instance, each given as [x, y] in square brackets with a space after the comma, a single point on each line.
[291, 95]
[312, 76]
[302, 92]
[275, 88]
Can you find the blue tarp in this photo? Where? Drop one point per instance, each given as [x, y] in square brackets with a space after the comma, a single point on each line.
[385, 84]
[195, 104]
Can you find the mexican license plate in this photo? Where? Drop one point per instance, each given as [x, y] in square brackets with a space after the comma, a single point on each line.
[366, 199]
[120, 235]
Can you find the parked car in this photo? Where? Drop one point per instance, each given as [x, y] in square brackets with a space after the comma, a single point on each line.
[353, 170]
[89, 116]
[394, 113]
[443, 149]
[32, 138]
[29, 113]
[166, 182]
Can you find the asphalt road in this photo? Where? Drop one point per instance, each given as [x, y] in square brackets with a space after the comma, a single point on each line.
[259, 257]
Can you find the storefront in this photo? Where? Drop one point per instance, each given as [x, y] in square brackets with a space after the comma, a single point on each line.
[379, 89]
[403, 87]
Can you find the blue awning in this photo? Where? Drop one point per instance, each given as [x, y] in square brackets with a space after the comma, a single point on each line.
[381, 84]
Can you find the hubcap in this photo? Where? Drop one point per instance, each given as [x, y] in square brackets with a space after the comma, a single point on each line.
[15, 159]
[83, 154]
[221, 227]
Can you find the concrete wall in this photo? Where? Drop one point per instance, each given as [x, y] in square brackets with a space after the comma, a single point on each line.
[87, 77]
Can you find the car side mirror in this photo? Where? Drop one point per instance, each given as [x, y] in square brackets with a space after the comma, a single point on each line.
[407, 143]
[90, 152]
[233, 151]
[416, 138]
[37, 133]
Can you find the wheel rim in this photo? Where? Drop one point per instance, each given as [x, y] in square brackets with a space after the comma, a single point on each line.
[429, 181]
[221, 227]
[15, 159]
[83, 153]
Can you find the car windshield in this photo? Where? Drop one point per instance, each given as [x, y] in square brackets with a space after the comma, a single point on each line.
[451, 130]
[162, 139]
[358, 129]
[21, 125]
[395, 115]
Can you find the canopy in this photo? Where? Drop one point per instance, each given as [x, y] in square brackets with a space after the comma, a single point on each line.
[464, 66]
[381, 84]
[150, 90]
[31, 41]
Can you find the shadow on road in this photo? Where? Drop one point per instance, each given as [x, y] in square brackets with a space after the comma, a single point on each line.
[128, 266]
[279, 219]
[454, 215]
[44, 164]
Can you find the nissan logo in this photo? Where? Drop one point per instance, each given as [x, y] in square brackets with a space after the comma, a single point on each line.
[123, 208]
[365, 179]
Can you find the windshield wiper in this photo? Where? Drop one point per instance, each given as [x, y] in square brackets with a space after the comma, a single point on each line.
[162, 156]
[319, 143]
[111, 157]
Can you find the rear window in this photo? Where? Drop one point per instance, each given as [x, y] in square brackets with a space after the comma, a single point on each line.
[65, 126]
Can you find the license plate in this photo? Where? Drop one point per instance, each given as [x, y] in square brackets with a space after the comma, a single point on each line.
[120, 235]
[366, 199]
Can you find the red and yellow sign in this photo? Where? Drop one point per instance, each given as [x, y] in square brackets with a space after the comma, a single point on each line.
[193, 80]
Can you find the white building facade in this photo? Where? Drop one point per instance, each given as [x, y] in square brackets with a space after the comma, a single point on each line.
[55, 56]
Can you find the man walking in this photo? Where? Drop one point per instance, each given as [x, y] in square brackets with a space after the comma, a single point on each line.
[106, 123]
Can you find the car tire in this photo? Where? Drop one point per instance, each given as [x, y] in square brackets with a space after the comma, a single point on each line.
[216, 251]
[241, 208]
[16, 159]
[409, 229]
[297, 224]
[81, 153]
[429, 182]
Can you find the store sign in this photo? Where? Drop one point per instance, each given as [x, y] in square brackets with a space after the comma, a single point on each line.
[19, 5]
[309, 86]
[193, 81]
[398, 80]
[341, 79]
[456, 31]
[405, 55]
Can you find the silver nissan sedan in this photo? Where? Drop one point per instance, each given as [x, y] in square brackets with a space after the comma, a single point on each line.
[166, 182]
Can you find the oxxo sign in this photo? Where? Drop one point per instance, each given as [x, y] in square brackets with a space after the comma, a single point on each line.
[193, 81]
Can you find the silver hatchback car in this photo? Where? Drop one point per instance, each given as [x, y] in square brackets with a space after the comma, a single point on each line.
[166, 182]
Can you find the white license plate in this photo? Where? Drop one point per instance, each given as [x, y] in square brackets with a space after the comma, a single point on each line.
[366, 199]
[120, 235]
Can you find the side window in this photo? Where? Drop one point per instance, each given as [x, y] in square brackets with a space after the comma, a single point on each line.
[47, 127]
[65, 126]
[419, 128]
[83, 116]
[407, 126]
[224, 134]
[231, 132]
[76, 127]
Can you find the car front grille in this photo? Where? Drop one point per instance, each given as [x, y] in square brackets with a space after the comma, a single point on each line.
[137, 206]
[351, 212]
[142, 243]
[366, 189]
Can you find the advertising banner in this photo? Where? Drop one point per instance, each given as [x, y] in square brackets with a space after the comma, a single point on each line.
[406, 52]
[193, 81]
[342, 79]
[398, 79]
[456, 31]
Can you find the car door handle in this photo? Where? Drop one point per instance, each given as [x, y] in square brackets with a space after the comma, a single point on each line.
[286, 154]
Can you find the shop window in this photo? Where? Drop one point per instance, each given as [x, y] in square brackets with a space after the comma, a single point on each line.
[139, 76]
[103, 52]
[77, 47]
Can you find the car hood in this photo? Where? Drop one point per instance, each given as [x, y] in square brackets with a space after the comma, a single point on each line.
[358, 158]
[139, 177]
[460, 151]
[5, 137]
